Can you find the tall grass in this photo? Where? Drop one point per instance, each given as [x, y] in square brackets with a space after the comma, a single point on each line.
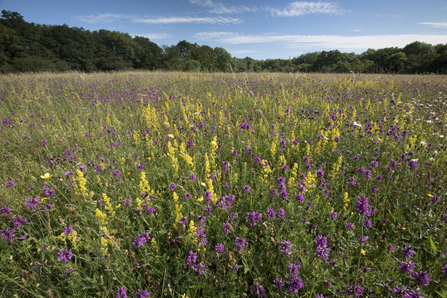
[220, 185]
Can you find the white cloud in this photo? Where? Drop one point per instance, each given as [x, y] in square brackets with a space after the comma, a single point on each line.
[152, 35]
[179, 20]
[103, 18]
[355, 30]
[300, 8]
[435, 25]
[242, 52]
[213, 35]
[324, 42]
[219, 8]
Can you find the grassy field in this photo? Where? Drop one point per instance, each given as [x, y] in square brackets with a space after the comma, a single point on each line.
[218, 185]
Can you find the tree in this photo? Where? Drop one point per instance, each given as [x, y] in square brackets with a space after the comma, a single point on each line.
[418, 48]
[223, 59]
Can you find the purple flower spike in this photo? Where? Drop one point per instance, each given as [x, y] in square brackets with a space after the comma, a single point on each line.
[239, 243]
[121, 292]
[64, 255]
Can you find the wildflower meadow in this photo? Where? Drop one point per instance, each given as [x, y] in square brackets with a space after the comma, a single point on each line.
[160, 184]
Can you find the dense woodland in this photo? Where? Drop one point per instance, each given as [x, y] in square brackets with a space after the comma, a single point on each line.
[30, 47]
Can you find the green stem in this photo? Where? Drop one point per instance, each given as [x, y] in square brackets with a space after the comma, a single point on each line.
[360, 256]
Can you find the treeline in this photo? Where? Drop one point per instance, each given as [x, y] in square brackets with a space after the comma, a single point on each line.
[30, 47]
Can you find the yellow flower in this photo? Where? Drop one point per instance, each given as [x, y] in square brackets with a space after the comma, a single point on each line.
[171, 136]
[363, 252]
[46, 176]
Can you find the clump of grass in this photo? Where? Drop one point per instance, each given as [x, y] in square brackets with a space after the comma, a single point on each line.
[174, 184]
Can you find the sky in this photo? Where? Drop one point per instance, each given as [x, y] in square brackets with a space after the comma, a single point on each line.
[258, 29]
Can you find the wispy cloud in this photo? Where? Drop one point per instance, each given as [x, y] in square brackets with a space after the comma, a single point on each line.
[300, 8]
[110, 17]
[180, 20]
[435, 25]
[103, 18]
[153, 35]
[355, 30]
[323, 42]
[242, 52]
[219, 8]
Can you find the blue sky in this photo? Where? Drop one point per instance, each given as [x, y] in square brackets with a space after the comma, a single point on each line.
[256, 28]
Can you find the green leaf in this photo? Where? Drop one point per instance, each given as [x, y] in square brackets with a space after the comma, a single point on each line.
[433, 246]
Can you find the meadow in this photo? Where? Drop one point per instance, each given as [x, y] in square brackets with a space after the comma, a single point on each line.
[160, 184]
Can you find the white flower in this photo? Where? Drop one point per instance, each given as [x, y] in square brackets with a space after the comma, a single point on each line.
[356, 124]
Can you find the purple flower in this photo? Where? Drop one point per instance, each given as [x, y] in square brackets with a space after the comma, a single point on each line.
[367, 223]
[219, 248]
[64, 255]
[226, 228]
[408, 252]
[333, 214]
[323, 252]
[319, 296]
[7, 234]
[233, 215]
[142, 238]
[286, 248]
[351, 180]
[358, 290]
[208, 209]
[172, 186]
[279, 283]
[183, 221]
[117, 174]
[246, 188]
[320, 174]
[407, 267]
[412, 165]
[239, 243]
[190, 143]
[121, 292]
[294, 267]
[207, 196]
[436, 199]
[201, 236]
[5, 210]
[191, 259]
[19, 221]
[281, 213]
[253, 218]
[68, 231]
[10, 184]
[362, 206]
[423, 278]
[444, 271]
[300, 197]
[142, 293]
[201, 268]
[295, 284]
[350, 227]
[270, 212]
[126, 202]
[258, 289]
[6, 121]
[192, 177]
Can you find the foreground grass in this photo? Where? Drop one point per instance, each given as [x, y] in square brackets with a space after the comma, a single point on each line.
[204, 185]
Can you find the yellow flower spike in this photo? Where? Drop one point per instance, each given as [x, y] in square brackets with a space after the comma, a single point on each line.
[46, 176]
